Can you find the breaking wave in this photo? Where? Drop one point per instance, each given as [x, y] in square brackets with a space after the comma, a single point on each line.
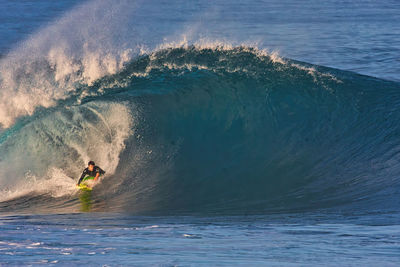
[212, 129]
[208, 127]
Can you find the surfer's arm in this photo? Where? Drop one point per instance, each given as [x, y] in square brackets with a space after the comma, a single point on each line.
[99, 172]
[83, 175]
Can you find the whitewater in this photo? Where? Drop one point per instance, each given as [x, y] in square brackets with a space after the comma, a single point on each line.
[232, 130]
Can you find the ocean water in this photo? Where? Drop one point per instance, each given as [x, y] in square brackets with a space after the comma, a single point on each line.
[257, 133]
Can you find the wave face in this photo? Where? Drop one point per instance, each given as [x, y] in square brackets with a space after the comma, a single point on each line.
[211, 129]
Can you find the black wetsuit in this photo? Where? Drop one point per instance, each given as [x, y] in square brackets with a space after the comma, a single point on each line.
[93, 173]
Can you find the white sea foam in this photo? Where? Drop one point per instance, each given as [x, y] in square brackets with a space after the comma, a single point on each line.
[79, 48]
[93, 40]
[47, 156]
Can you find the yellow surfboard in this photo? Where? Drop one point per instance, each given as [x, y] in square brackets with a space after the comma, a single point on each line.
[83, 185]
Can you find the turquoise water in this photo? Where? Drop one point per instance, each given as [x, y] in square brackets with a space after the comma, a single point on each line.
[262, 133]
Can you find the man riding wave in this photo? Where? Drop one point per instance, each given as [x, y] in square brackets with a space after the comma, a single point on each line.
[92, 171]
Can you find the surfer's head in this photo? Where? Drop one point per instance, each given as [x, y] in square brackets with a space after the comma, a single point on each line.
[91, 165]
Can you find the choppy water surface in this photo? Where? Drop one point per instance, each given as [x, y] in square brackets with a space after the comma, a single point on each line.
[112, 239]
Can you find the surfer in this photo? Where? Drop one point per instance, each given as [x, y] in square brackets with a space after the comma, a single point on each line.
[92, 170]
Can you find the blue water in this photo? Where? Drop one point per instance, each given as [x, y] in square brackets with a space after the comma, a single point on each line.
[262, 133]
[112, 239]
